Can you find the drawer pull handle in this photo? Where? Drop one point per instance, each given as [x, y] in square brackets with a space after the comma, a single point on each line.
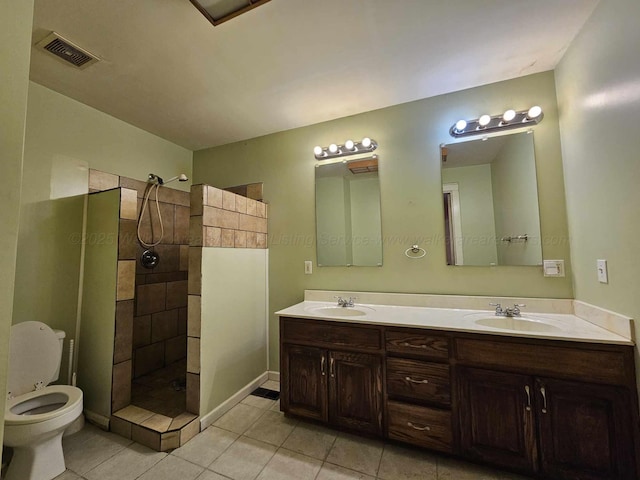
[407, 344]
[422, 429]
[409, 379]
[544, 399]
[323, 366]
[528, 407]
[332, 367]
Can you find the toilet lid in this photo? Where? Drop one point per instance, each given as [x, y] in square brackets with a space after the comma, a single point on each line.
[34, 354]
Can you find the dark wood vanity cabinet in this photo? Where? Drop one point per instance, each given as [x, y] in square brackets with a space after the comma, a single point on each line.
[341, 387]
[552, 409]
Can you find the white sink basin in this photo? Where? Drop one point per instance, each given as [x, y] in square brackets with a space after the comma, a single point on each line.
[520, 324]
[358, 311]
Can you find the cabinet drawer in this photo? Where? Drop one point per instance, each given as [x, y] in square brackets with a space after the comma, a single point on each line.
[328, 334]
[417, 343]
[422, 426]
[418, 380]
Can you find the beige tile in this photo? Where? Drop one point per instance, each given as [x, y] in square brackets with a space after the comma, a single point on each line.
[177, 294]
[450, 469]
[141, 331]
[240, 239]
[146, 437]
[287, 465]
[356, 453]
[182, 321]
[150, 229]
[241, 204]
[248, 223]
[193, 355]
[184, 258]
[311, 440]
[334, 472]
[198, 199]
[169, 441]
[209, 475]
[157, 423]
[189, 431]
[228, 200]
[254, 190]
[126, 286]
[175, 349]
[148, 359]
[244, 459]
[271, 385]
[181, 420]
[227, 238]
[132, 184]
[261, 225]
[195, 270]
[120, 427]
[133, 414]
[239, 418]
[102, 181]
[121, 386]
[252, 240]
[90, 447]
[205, 447]
[196, 232]
[259, 402]
[214, 197]
[169, 259]
[151, 298]
[127, 240]
[276, 406]
[128, 204]
[164, 325]
[193, 393]
[261, 210]
[262, 240]
[194, 313]
[400, 463]
[68, 475]
[181, 225]
[252, 206]
[272, 427]
[172, 468]
[217, 217]
[128, 464]
[174, 196]
[212, 237]
[123, 341]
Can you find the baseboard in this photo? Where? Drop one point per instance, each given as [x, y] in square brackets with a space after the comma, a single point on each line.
[274, 376]
[232, 401]
[96, 419]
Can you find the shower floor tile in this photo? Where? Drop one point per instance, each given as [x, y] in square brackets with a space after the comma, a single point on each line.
[162, 391]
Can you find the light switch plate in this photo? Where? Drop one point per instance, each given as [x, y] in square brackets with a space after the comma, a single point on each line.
[603, 274]
[308, 267]
[553, 268]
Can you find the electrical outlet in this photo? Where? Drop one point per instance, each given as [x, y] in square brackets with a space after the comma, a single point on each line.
[308, 267]
[603, 275]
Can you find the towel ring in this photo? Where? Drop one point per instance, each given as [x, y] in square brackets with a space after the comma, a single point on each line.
[415, 249]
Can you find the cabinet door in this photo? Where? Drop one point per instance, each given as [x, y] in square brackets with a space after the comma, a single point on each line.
[355, 391]
[496, 418]
[585, 431]
[304, 382]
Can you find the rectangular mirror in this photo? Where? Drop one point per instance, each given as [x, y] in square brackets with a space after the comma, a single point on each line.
[348, 227]
[490, 195]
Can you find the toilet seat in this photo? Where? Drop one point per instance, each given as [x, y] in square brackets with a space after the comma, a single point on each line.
[71, 396]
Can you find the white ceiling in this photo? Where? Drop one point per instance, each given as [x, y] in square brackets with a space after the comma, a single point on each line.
[291, 63]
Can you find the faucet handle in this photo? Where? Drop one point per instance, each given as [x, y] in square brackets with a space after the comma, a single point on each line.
[498, 306]
[519, 305]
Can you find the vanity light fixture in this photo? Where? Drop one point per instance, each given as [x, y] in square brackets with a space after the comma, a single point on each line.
[487, 124]
[366, 145]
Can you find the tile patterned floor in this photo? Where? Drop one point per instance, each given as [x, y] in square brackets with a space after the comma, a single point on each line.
[255, 441]
[162, 391]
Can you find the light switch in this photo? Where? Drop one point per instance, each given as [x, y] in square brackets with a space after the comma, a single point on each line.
[603, 275]
[553, 268]
[308, 267]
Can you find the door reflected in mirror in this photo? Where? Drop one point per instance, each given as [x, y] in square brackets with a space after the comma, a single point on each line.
[490, 197]
[348, 227]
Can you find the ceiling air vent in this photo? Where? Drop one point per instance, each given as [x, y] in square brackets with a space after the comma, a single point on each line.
[67, 51]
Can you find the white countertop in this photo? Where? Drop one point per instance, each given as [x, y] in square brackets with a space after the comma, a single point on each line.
[561, 326]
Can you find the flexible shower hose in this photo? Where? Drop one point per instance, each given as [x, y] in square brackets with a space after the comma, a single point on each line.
[144, 207]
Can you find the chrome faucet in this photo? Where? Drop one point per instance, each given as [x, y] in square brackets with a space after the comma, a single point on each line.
[509, 311]
[343, 302]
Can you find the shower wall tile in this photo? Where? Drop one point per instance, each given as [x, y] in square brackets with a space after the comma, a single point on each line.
[141, 331]
[133, 184]
[227, 238]
[150, 219]
[149, 358]
[121, 386]
[123, 332]
[125, 286]
[228, 200]
[146, 437]
[195, 270]
[261, 225]
[169, 258]
[193, 355]
[262, 240]
[102, 181]
[214, 197]
[194, 312]
[240, 239]
[252, 240]
[193, 393]
[196, 231]
[184, 259]
[164, 325]
[175, 197]
[182, 320]
[254, 191]
[165, 277]
[241, 204]
[127, 241]
[181, 225]
[128, 204]
[252, 207]
[198, 199]
[177, 294]
[175, 349]
[150, 298]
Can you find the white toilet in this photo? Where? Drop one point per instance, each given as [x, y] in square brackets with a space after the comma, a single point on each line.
[36, 415]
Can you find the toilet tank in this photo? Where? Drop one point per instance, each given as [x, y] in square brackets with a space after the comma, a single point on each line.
[60, 334]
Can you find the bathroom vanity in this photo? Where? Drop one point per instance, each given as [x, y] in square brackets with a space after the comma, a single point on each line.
[541, 403]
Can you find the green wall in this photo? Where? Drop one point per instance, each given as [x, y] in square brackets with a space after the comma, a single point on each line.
[15, 50]
[599, 97]
[64, 138]
[409, 136]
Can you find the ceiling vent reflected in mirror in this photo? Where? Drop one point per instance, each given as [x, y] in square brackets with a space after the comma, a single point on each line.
[219, 11]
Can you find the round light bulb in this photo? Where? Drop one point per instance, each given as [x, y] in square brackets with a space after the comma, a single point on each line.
[461, 125]
[366, 142]
[509, 115]
[333, 148]
[317, 150]
[349, 145]
[484, 120]
[534, 112]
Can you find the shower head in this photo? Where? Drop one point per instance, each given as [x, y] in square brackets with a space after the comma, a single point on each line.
[153, 178]
[181, 178]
